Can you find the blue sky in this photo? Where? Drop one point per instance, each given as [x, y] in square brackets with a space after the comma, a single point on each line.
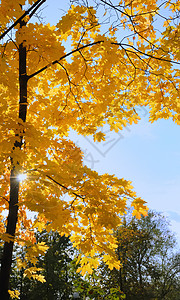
[147, 154]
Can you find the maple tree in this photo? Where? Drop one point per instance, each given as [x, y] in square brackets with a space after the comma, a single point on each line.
[96, 66]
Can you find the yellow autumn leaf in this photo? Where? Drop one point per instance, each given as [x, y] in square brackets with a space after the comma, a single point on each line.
[14, 294]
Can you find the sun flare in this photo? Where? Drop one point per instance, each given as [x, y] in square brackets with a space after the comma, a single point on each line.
[22, 177]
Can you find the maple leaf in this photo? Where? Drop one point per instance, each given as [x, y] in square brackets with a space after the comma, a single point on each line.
[14, 294]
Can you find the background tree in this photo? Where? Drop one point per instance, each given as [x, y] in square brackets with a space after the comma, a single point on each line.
[58, 267]
[150, 266]
[79, 74]
[150, 261]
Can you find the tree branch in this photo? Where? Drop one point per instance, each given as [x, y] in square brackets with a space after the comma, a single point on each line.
[146, 54]
[64, 187]
[61, 58]
[95, 43]
[4, 198]
[34, 7]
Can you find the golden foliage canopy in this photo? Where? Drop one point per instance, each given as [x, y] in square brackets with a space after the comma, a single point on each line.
[94, 67]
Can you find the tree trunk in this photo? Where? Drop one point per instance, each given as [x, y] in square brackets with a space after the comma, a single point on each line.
[8, 247]
[6, 260]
